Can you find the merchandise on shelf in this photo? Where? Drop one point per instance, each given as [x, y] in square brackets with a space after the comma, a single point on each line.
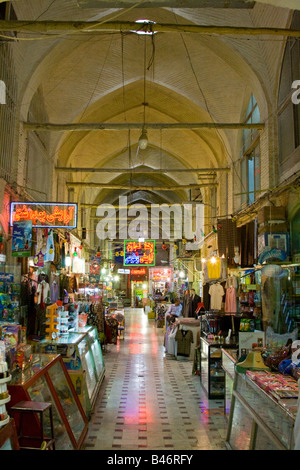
[4, 379]
[63, 322]
[52, 322]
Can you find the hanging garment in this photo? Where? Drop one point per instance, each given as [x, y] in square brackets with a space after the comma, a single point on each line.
[49, 255]
[54, 292]
[184, 340]
[232, 281]
[227, 239]
[172, 343]
[216, 292]
[43, 292]
[200, 308]
[186, 305]
[214, 269]
[230, 300]
[169, 329]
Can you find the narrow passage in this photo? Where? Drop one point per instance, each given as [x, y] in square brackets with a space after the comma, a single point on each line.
[148, 401]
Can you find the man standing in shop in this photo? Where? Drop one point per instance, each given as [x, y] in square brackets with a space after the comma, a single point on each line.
[194, 301]
[174, 311]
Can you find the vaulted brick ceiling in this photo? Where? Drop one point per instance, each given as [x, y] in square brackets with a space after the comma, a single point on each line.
[88, 77]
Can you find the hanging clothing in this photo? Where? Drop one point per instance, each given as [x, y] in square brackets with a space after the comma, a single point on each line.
[232, 281]
[214, 269]
[54, 292]
[49, 255]
[227, 239]
[216, 292]
[230, 300]
[171, 346]
[186, 305]
[184, 340]
[43, 291]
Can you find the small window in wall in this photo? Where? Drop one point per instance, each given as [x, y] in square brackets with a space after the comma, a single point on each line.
[250, 156]
[288, 113]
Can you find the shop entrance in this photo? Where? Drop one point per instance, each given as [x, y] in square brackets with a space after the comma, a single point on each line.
[139, 293]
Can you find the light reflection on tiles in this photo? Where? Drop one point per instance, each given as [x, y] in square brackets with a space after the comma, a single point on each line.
[148, 401]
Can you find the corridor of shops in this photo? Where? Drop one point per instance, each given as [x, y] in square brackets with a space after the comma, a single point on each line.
[152, 402]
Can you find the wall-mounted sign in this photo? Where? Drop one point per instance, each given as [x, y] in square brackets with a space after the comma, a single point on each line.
[21, 241]
[44, 214]
[123, 271]
[138, 272]
[160, 274]
[139, 253]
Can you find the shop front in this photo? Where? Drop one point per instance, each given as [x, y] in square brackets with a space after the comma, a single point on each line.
[250, 330]
[161, 280]
[139, 286]
[51, 304]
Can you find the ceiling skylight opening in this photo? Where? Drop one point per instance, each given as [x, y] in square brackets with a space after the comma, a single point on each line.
[141, 31]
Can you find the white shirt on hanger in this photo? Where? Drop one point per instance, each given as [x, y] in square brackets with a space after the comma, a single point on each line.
[216, 292]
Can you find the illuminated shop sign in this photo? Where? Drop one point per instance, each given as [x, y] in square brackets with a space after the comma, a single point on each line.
[44, 214]
[138, 272]
[163, 274]
[123, 271]
[139, 253]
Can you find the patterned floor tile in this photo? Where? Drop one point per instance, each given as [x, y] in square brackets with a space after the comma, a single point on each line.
[150, 401]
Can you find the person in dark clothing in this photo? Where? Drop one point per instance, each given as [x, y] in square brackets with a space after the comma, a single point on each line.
[194, 301]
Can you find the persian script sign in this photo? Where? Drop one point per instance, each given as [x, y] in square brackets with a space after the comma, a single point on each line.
[59, 215]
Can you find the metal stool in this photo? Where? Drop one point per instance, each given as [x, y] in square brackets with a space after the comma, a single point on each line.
[39, 408]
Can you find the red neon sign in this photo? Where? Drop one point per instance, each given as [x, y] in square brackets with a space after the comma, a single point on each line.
[55, 215]
[138, 271]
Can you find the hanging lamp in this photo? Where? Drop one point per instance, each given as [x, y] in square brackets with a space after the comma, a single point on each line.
[143, 140]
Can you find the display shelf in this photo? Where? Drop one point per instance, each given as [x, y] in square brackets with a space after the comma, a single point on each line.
[5, 400]
[212, 376]
[256, 420]
[5, 380]
[47, 380]
[82, 355]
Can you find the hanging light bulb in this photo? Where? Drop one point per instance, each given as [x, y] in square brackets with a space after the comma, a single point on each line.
[143, 140]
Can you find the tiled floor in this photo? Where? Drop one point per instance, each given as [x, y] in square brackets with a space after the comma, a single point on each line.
[148, 401]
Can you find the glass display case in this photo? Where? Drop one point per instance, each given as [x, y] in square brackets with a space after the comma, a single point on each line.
[212, 375]
[46, 379]
[82, 355]
[96, 349]
[256, 420]
[229, 358]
